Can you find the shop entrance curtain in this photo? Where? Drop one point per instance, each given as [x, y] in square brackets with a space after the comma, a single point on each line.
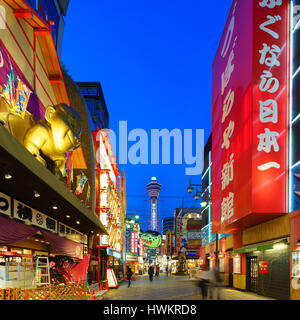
[12, 231]
[64, 246]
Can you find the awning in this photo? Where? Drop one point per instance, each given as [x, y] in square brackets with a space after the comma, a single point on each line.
[12, 231]
[260, 246]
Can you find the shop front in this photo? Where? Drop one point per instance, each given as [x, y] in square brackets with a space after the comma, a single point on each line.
[39, 217]
[115, 263]
[268, 268]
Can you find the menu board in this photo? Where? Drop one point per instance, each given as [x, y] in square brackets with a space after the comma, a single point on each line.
[237, 264]
[296, 264]
[222, 265]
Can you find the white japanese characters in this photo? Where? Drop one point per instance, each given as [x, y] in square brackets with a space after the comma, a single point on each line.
[268, 109]
[270, 3]
[228, 96]
[227, 172]
[271, 20]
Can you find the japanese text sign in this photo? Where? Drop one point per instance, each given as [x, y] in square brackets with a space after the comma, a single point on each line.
[249, 139]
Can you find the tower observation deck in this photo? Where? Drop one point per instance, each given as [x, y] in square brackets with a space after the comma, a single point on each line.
[153, 189]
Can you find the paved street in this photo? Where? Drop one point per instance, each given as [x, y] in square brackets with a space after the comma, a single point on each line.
[170, 288]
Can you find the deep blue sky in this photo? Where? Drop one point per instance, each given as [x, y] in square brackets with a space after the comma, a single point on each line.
[154, 61]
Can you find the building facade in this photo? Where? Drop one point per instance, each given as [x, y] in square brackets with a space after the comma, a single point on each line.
[167, 224]
[254, 152]
[93, 95]
[40, 215]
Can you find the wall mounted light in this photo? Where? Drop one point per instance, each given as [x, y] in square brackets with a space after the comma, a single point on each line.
[203, 204]
[7, 176]
[279, 246]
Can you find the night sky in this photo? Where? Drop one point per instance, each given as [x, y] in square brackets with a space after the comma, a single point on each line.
[154, 61]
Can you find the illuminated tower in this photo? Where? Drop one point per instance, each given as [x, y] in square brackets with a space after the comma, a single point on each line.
[153, 189]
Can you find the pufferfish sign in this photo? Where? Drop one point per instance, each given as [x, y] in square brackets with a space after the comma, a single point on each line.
[151, 239]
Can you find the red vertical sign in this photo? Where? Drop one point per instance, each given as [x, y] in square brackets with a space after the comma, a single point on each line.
[141, 248]
[249, 138]
[270, 81]
[134, 242]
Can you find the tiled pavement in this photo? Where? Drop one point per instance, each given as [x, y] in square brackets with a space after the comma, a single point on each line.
[170, 288]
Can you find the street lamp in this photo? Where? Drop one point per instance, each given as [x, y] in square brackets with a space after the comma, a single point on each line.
[190, 190]
[196, 196]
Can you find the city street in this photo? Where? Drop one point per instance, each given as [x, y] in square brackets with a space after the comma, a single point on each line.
[170, 288]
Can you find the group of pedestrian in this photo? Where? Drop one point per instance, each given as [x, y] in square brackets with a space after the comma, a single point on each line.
[151, 272]
[210, 282]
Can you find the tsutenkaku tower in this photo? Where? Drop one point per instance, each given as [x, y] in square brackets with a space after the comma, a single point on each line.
[153, 189]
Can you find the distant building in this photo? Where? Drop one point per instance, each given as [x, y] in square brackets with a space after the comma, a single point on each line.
[167, 224]
[94, 98]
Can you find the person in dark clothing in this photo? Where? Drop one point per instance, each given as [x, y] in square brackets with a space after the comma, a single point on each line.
[204, 280]
[129, 274]
[151, 272]
[157, 271]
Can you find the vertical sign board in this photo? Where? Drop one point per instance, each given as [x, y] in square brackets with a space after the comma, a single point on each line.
[134, 242]
[249, 138]
[141, 248]
[177, 234]
[270, 107]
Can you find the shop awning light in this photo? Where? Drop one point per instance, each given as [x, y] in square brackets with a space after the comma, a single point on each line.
[68, 216]
[36, 194]
[8, 176]
[78, 222]
[54, 207]
[279, 246]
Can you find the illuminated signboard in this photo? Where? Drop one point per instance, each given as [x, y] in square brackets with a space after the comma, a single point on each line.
[134, 242]
[141, 248]
[249, 138]
[169, 242]
[177, 233]
[237, 264]
[111, 278]
[151, 239]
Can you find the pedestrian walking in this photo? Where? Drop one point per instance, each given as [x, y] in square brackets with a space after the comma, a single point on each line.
[217, 283]
[170, 271]
[167, 270]
[151, 272]
[157, 270]
[129, 274]
[204, 279]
